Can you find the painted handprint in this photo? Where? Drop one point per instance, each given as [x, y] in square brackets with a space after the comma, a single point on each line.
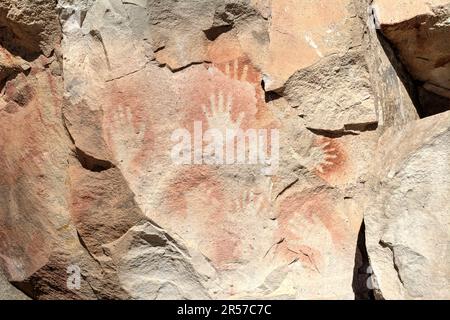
[331, 159]
[219, 114]
[125, 138]
[232, 70]
[241, 69]
[322, 156]
[252, 204]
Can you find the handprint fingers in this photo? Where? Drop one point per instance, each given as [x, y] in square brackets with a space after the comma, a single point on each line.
[228, 71]
[229, 103]
[126, 136]
[239, 119]
[325, 144]
[234, 73]
[220, 103]
[219, 113]
[250, 203]
[205, 111]
[141, 131]
[128, 115]
[115, 118]
[260, 204]
[212, 101]
[235, 69]
[330, 156]
[244, 73]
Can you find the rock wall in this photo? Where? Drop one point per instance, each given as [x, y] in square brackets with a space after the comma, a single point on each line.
[120, 178]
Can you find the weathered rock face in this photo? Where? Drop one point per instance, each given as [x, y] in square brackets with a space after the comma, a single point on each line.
[120, 178]
[8, 292]
[419, 31]
[408, 215]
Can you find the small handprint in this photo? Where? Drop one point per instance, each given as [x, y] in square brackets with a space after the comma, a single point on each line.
[303, 237]
[234, 73]
[126, 139]
[253, 204]
[323, 156]
[320, 157]
[219, 114]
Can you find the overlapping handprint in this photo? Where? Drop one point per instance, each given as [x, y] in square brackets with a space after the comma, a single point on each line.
[219, 113]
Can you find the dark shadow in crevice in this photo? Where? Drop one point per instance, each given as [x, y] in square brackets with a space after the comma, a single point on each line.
[332, 134]
[92, 164]
[214, 32]
[361, 127]
[269, 95]
[426, 102]
[434, 103]
[401, 71]
[12, 43]
[362, 271]
[26, 287]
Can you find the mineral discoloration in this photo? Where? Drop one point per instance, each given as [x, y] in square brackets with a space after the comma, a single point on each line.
[88, 177]
[307, 212]
[332, 161]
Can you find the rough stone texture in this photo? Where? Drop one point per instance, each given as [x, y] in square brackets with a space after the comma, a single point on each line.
[408, 215]
[8, 292]
[419, 32]
[395, 97]
[30, 26]
[92, 92]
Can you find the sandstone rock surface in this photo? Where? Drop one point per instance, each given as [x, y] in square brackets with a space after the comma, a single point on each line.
[419, 31]
[105, 105]
[408, 243]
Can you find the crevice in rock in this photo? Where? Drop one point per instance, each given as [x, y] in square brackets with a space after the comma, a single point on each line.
[87, 161]
[351, 129]
[361, 127]
[95, 34]
[173, 70]
[434, 103]
[362, 270]
[11, 42]
[333, 134]
[214, 32]
[290, 185]
[26, 287]
[83, 244]
[426, 102]
[24, 92]
[399, 68]
[269, 95]
[129, 73]
[91, 163]
[64, 123]
[391, 248]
